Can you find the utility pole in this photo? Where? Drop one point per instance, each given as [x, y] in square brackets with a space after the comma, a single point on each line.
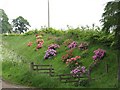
[48, 15]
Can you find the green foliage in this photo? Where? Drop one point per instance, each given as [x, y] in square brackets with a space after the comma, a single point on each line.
[20, 24]
[84, 54]
[84, 83]
[58, 40]
[111, 20]
[5, 26]
[67, 42]
[30, 55]
[31, 32]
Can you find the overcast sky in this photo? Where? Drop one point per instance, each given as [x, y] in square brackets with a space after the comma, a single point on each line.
[62, 12]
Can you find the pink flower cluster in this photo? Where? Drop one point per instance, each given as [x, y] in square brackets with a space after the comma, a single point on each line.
[78, 71]
[39, 45]
[72, 59]
[83, 46]
[99, 54]
[50, 53]
[39, 42]
[72, 45]
[53, 46]
[29, 44]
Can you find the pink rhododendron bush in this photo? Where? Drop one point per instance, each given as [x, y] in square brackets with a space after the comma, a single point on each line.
[53, 46]
[78, 71]
[72, 45]
[29, 44]
[98, 55]
[83, 46]
[68, 55]
[39, 41]
[67, 42]
[73, 62]
[51, 51]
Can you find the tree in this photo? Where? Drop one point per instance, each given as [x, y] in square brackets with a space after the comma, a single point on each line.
[20, 24]
[111, 23]
[5, 25]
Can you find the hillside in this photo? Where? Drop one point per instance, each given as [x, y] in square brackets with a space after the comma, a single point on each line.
[17, 56]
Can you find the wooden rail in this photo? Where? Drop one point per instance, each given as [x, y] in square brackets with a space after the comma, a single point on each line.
[47, 69]
[69, 78]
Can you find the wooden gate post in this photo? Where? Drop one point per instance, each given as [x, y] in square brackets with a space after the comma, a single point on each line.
[32, 66]
[50, 70]
[106, 68]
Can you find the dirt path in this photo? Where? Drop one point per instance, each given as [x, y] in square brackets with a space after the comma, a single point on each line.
[5, 84]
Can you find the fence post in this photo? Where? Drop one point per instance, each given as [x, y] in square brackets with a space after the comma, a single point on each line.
[32, 66]
[89, 72]
[60, 77]
[50, 70]
[106, 68]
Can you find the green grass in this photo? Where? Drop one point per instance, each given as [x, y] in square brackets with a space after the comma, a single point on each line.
[0, 68]
[20, 72]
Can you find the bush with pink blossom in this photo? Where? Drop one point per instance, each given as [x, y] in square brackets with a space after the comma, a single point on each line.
[53, 46]
[78, 71]
[99, 54]
[73, 62]
[50, 53]
[72, 45]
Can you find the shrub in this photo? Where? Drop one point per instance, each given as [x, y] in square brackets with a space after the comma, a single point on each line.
[38, 36]
[99, 54]
[59, 40]
[84, 53]
[29, 44]
[72, 45]
[39, 41]
[83, 83]
[68, 55]
[78, 71]
[83, 46]
[30, 33]
[73, 62]
[67, 42]
[53, 46]
[50, 53]
[39, 46]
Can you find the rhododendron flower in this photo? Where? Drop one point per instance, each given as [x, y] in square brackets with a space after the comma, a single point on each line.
[99, 54]
[77, 57]
[76, 63]
[83, 69]
[39, 45]
[73, 62]
[72, 45]
[38, 40]
[53, 46]
[83, 46]
[36, 35]
[66, 62]
[29, 44]
[50, 53]
[78, 71]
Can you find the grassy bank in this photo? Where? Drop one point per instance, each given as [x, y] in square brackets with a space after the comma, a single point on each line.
[16, 65]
